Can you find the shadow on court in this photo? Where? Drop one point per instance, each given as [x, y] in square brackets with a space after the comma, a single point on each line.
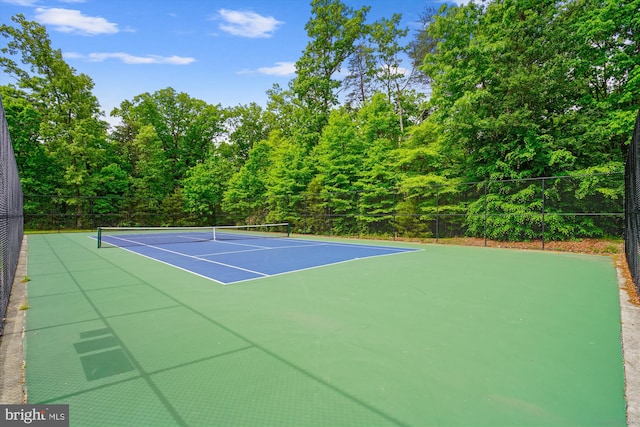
[445, 335]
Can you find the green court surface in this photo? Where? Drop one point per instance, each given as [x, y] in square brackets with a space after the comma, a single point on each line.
[445, 336]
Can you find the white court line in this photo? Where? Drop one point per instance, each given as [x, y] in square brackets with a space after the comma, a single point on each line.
[262, 249]
[363, 245]
[319, 266]
[175, 266]
[206, 260]
[188, 239]
[234, 252]
[396, 251]
[319, 243]
[322, 242]
[240, 244]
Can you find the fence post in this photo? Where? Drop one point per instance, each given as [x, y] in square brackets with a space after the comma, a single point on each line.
[484, 226]
[543, 219]
[437, 214]
[359, 215]
[305, 211]
[393, 213]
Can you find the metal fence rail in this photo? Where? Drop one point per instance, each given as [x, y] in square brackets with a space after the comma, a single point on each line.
[11, 216]
[540, 209]
[632, 206]
[546, 208]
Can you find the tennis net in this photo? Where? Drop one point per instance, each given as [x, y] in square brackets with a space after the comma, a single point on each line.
[151, 236]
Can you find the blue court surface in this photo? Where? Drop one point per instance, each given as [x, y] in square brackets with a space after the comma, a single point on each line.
[236, 261]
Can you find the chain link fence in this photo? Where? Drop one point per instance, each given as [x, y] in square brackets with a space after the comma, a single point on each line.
[544, 209]
[63, 213]
[632, 207]
[540, 209]
[11, 219]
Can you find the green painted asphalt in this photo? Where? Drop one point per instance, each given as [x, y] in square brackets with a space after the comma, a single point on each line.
[446, 336]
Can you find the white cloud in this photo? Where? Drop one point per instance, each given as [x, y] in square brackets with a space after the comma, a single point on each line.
[74, 21]
[21, 2]
[247, 24]
[131, 59]
[394, 71]
[280, 69]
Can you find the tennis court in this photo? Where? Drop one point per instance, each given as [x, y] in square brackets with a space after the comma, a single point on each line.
[235, 254]
[423, 335]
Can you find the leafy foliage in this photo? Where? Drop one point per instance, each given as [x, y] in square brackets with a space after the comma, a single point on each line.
[519, 89]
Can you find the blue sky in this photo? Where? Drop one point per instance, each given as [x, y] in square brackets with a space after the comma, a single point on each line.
[226, 52]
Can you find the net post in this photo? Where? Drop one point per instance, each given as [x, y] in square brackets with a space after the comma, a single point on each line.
[99, 237]
[288, 230]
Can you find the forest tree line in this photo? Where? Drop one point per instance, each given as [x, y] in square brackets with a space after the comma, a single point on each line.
[502, 90]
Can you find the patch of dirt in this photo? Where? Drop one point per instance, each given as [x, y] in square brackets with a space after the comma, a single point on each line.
[583, 246]
[623, 267]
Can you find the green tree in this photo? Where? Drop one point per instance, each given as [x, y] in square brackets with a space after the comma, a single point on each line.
[151, 175]
[333, 31]
[378, 129]
[204, 188]
[425, 182]
[338, 161]
[360, 81]
[422, 44]
[606, 68]
[33, 161]
[186, 127]
[355, 161]
[386, 39]
[70, 129]
[287, 177]
[114, 185]
[244, 126]
[500, 88]
[244, 200]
